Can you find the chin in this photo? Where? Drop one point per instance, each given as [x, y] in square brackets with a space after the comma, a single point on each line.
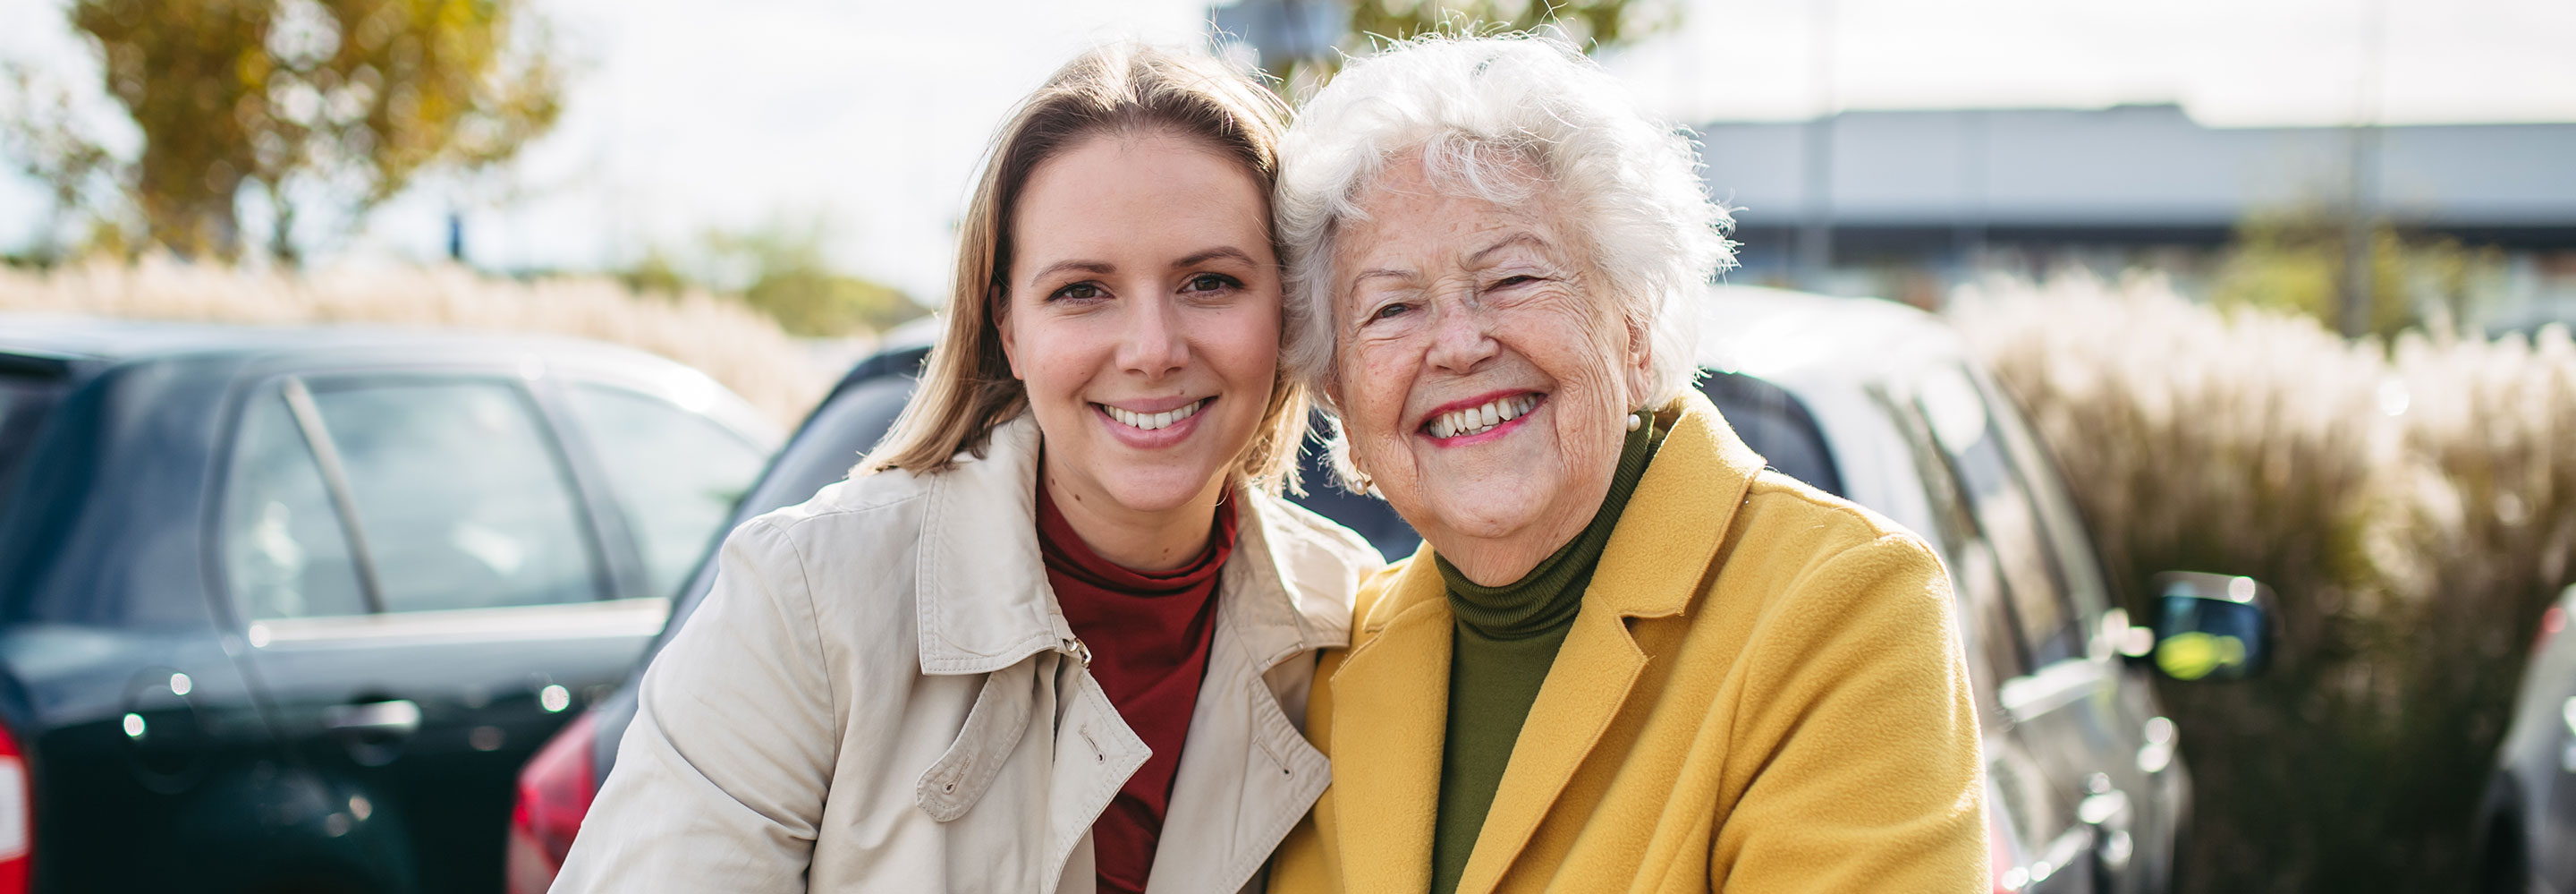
[1158, 488]
[1485, 520]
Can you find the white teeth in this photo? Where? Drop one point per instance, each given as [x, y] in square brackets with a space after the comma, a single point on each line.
[1154, 421]
[1482, 419]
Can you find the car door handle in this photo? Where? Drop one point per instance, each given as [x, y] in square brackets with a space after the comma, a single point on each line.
[2108, 813]
[400, 717]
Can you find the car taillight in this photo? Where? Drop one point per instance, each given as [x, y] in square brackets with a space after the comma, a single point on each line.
[17, 815]
[2002, 861]
[555, 789]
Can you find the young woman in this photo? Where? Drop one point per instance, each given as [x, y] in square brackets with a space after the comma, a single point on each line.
[1058, 631]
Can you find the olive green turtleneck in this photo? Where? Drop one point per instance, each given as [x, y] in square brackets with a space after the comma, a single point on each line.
[1500, 650]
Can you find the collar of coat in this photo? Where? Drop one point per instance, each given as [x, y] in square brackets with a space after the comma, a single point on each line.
[1692, 487]
[984, 602]
[1392, 688]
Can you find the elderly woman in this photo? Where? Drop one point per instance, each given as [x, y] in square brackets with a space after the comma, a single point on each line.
[1626, 657]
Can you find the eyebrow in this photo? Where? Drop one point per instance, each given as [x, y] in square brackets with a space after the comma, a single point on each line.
[1104, 268]
[1098, 267]
[1521, 238]
[1222, 251]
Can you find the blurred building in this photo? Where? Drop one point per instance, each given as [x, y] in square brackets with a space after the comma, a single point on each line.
[1905, 203]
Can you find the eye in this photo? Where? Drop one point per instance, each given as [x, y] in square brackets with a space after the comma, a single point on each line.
[1210, 282]
[1081, 291]
[1390, 310]
[1510, 281]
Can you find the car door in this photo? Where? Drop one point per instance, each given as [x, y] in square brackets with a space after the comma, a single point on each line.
[2070, 701]
[2145, 776]
[479, 616]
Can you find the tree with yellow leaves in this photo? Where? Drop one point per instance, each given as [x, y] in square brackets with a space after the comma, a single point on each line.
[321, 105]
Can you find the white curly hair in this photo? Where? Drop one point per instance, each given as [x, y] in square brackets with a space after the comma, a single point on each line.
[1475, 108]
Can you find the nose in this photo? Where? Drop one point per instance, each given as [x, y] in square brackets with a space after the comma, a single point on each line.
[1155, 344]
[1458, 338]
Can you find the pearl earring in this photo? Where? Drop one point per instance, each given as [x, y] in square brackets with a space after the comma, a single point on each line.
[1635, 420]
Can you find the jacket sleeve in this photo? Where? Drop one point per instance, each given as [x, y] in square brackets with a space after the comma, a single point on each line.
[720, 779]
[1859, 731]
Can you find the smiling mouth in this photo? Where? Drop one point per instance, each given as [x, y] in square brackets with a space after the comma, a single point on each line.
[1154, 421]
[1479, 420]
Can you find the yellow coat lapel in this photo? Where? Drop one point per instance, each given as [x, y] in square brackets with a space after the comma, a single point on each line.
[1390, 702]
[1664, 542]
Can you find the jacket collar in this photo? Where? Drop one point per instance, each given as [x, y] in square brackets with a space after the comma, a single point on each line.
[1699, 491]
[984, 603]
[1390, 696]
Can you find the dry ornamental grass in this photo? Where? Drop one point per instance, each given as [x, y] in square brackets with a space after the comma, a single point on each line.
[2414, 507]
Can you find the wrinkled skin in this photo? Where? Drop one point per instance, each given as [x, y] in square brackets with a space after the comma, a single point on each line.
[1441, 299]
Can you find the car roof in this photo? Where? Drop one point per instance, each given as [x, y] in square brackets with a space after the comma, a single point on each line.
[1779, 334]
[117, 341]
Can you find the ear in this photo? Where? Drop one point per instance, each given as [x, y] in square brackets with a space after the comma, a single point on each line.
[1639, 369]
[997, 302]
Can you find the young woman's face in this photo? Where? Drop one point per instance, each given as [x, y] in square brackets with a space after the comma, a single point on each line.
[1143, 317]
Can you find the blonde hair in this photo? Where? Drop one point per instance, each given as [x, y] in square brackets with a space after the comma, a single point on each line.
[967, 389]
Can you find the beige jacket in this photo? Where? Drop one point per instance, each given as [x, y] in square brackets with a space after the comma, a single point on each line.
[881, 694]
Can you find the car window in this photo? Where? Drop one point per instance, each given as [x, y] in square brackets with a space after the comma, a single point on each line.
[1776, 425]
[285, 553]
[460, 496]
[25, 401]
[1978, 586]
[1996, 493]
[676, 474]
[2067, 539]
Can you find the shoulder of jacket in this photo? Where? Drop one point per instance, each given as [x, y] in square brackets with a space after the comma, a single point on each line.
[872, 522]
[1779, 503]
[1807, 546]
[860, 497]
[1307, 530]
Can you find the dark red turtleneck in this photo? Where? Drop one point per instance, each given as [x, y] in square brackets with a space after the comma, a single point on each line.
[1149, 636]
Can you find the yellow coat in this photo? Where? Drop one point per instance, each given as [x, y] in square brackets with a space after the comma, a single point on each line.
[1763, 692]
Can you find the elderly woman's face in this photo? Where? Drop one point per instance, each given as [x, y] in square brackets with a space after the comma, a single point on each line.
[1483, 372]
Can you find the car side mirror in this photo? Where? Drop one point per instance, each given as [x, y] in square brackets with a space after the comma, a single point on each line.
[2211, 626]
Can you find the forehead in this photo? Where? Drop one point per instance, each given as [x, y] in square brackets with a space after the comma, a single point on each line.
[1107, 190]
[1409, 209]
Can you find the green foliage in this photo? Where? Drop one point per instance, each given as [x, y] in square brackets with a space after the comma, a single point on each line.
[42, 137]
[337, 103]
[2293, 261]
[780, 270]
[1591, 24]
[2413, 507]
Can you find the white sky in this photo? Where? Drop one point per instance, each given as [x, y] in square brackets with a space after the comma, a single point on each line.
[871, 116]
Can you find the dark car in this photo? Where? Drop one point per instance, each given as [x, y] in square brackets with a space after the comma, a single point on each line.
[1865, 399]
[285, 609]
[2527, 826]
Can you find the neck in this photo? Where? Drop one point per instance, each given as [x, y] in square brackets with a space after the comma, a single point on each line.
[1135, 539]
